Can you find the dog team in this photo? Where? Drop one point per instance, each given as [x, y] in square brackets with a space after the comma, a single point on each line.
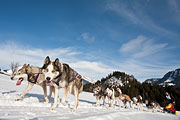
[53, 74]
[58, 75]
[114, 95]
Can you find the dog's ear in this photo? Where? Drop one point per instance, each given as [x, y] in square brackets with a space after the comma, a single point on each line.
[28, 68]
[46, 62]
[24, 65]
[57, 63]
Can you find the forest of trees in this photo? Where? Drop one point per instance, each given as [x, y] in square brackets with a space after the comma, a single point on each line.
[146, 90]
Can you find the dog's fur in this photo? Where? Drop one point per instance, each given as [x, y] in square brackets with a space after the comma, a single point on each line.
[62, 76]
[114, 94]
[152, 105]
[99, 92]
[125, 98]
[138, 101]
[30, 73]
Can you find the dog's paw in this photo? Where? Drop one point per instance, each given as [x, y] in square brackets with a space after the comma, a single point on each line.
[95, 105]
[18, 99]
[73, 110]
[52, 108]
[63, 103]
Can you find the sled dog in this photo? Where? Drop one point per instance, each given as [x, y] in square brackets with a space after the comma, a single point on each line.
[99, 92]
[152, 105]
[138, 101]
[114, 94]
[62, 76]
[33, 75]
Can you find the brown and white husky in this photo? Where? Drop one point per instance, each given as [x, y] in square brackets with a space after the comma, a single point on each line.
[33, 75]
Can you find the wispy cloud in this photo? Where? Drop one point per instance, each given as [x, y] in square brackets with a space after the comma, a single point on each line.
[175, 8]
[87, 37]
[141, 47]
[11, 52]
[136, 14]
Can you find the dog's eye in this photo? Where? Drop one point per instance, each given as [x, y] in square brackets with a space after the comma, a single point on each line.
[53, 71]
[46, 70]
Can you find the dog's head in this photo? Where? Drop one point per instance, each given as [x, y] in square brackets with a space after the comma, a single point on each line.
[51, 69]
[96, 90]
[134, 99]
[109, 92]
[21, 74]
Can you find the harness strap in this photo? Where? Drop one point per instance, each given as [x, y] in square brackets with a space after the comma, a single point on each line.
[59, 79]
[35, 80]
[74, 77]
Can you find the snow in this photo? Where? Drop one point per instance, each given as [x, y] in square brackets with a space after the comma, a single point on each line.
[32, 106]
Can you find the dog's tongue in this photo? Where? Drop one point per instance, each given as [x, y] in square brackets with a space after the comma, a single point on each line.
[19, 81]
[94, 94]
[49, 83]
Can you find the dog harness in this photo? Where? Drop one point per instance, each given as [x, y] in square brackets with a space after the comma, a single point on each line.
[59, 79]
[35, 80]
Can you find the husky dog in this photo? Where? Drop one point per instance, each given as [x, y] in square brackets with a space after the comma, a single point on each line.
[62, 76]
[33, 75]
[154, 105]
[125, 98]
[139, 102]
[99, 92]
[134, 102]
[114, 94]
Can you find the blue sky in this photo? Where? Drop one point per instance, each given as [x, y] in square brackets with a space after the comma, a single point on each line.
[96, 37]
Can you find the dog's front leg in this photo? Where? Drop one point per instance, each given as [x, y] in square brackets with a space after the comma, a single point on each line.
[29, 87]
[109, 101]
[45, 92]
[119, 102]
[97, 101]
[114, 102]
[55, 98]
[103, 98]
[65, 95]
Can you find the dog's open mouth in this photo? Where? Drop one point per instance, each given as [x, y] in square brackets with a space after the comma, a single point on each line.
[49, 83]
[19, 81]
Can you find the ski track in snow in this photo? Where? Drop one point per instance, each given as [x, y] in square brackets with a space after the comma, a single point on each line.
[32, 106]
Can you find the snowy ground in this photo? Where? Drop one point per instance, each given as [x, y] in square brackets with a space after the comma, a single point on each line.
[33, 108]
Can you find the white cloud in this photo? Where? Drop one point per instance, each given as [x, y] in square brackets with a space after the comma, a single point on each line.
[93, 69]
[133, 45]
[87, 37]
[141, 47]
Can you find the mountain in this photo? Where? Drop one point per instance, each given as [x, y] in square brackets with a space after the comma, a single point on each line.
[171, 78]
[117, 78]
[87, 80]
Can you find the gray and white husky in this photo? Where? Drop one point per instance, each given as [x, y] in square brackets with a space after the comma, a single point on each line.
[62, 76]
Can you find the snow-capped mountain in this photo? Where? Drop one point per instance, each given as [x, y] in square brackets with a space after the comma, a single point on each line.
[87, 80]
[117, 78]
[171, 78]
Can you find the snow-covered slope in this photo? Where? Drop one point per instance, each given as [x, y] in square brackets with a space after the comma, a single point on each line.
[32, 106]
[171, 78]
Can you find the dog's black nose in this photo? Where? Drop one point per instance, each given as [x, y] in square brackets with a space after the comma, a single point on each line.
[48, 78]
[11, 78]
